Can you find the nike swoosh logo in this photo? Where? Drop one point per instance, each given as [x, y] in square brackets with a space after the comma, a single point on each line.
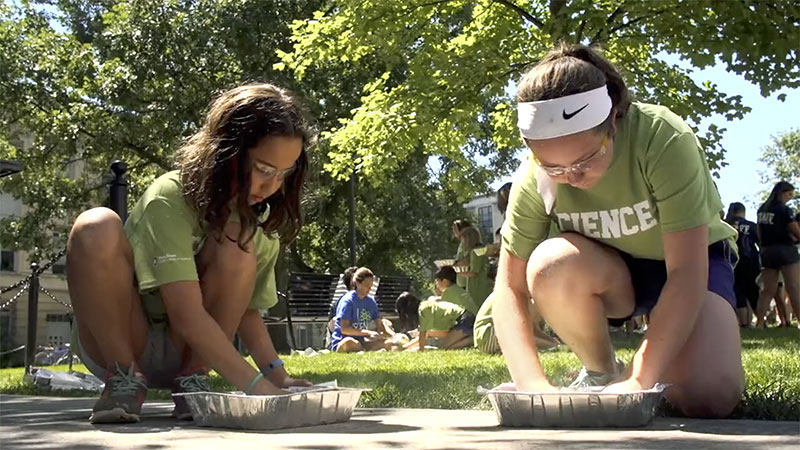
[571, 115]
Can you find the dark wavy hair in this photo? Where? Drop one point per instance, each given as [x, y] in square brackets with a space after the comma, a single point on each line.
[216, 168]
[571, 69]
[779, 188]
[407, 308]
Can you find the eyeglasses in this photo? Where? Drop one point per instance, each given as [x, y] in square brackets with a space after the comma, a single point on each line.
[270, 172]
[579, 167]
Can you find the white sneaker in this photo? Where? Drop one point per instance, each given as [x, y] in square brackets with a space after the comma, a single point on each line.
[588, 378]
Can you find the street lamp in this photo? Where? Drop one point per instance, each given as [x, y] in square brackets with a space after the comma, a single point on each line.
[9, 167]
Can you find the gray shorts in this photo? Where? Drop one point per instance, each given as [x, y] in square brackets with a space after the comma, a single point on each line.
[160, 361]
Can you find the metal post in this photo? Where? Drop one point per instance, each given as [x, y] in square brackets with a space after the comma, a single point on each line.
[118, 189]
[33, 316]
[352, 204]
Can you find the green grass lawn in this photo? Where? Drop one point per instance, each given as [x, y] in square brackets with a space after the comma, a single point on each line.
[449, 379]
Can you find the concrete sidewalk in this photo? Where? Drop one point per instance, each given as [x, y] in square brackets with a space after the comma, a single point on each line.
[49, 422]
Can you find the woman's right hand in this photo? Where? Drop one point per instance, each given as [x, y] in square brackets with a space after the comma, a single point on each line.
[538, 386]
[264, 387]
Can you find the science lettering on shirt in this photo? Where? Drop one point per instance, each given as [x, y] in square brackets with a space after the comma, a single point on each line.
[611, 223]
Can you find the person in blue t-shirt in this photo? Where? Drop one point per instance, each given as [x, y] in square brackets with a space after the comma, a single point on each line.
[749, 266]
[358, 324]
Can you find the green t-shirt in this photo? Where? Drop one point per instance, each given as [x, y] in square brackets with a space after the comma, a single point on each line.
[438, 315]
[657, 182]
[458, 296]
[479, 287]
[165, 235]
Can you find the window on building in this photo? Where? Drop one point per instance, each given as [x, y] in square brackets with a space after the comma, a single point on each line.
[485, 222]
[7, 261]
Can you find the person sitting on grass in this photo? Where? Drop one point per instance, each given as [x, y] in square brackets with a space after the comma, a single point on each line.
[358, 324]
[446, 287]
[448, 324]
[157, 302]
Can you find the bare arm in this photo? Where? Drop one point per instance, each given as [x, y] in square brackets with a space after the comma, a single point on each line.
[348, 330]
[513, 325]
[675, 314]
[254, 333]
[794, 230]
[184, 304]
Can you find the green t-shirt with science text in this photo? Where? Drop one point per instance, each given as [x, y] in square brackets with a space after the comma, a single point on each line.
[657, 182]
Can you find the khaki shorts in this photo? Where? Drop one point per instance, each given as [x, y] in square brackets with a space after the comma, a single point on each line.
[160, 362]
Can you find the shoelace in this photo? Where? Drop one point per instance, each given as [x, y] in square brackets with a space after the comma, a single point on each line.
[123, 383]
[195, 382]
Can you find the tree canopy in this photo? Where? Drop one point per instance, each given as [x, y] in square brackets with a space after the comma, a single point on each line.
[415, 97]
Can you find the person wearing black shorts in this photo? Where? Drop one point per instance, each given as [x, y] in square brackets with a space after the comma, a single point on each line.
[779, 233]
[749, 266]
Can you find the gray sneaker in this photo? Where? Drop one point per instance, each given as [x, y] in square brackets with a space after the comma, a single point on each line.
[194, 382]
[122, 397]
[588, 378]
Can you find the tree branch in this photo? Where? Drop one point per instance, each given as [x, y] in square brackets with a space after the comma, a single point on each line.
[524, 14]
[579, 36]
[609, 21]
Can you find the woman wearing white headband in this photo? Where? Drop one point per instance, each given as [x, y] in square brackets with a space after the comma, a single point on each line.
[628, 186]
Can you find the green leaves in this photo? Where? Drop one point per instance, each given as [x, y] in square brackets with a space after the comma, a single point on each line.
[449, 66]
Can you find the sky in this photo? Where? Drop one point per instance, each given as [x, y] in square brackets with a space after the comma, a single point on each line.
[740, 180]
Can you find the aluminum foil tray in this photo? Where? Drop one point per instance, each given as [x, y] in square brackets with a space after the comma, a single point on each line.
[272, 412]
[444, 262]
[573, 409]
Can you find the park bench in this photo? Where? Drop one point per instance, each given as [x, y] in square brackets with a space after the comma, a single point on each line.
[310, 296]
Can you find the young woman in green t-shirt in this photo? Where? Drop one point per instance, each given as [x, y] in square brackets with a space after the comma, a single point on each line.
[629, 188]
[158, 302]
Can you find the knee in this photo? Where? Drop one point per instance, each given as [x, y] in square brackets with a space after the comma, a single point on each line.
[714, 399]
[549, 264]
[230, 261]
[96, 232]
[348, 345]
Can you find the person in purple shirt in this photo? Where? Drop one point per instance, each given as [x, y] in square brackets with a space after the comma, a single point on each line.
[358, 324]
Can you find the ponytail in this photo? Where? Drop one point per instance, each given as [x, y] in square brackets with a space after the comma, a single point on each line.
[571, 69]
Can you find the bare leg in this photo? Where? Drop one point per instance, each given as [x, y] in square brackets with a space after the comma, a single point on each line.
[707, 377]
[349, 345]
[101, 286]
[227, 278]
[769, 282]
[791, 277]
[780, 306]
[578, 312]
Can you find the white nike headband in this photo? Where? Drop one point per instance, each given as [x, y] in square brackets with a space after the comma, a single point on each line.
[562, 116]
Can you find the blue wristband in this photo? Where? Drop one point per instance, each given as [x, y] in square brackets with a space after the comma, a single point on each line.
[272, 366]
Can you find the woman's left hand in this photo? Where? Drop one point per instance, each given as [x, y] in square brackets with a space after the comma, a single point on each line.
[625, 386]
[289, 382]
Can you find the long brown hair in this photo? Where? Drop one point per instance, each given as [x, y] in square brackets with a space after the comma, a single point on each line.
[215, 164]
[571, 69]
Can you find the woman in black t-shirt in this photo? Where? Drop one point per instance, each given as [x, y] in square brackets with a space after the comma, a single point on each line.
[778, 232]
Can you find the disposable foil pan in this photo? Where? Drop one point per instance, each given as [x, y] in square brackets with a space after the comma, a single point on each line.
[272, 412]
[588, 408]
